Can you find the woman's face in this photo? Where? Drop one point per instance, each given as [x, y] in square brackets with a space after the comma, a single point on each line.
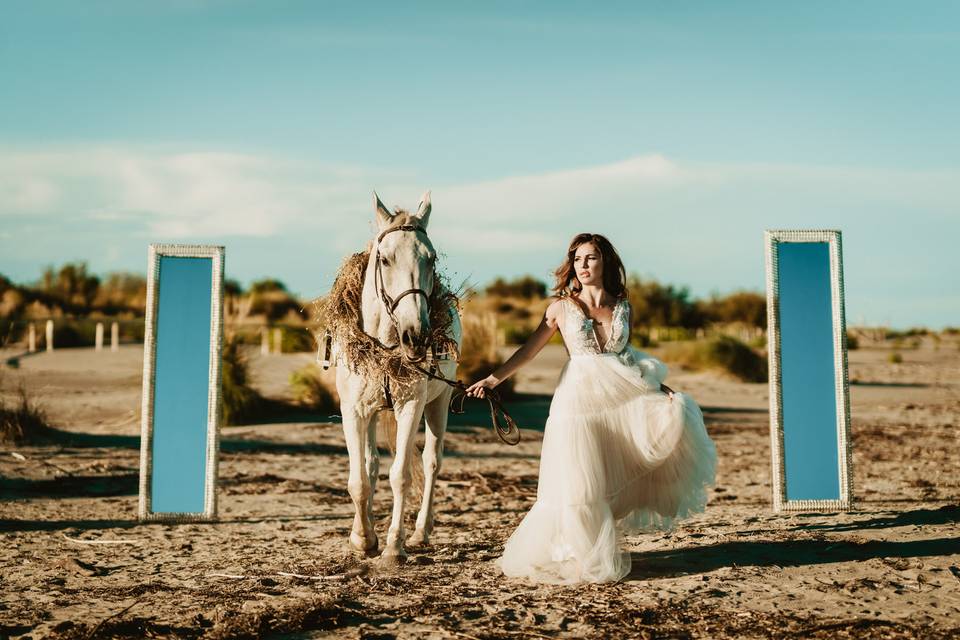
[588, 265]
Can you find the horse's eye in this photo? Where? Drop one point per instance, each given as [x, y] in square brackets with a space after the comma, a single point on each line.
[384, 261]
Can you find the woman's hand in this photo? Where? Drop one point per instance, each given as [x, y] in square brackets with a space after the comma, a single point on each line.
[476, 390]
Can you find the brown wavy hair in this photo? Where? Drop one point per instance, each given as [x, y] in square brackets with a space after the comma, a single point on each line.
[614, 275]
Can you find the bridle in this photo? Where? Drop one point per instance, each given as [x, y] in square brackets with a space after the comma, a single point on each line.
[390, 303]
[508, 433]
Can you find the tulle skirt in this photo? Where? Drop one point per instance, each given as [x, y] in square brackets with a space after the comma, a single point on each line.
[619, 456]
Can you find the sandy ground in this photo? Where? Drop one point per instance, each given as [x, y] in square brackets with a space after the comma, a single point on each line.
[887, 569]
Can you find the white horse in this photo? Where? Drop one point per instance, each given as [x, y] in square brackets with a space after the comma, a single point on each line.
[398, 282]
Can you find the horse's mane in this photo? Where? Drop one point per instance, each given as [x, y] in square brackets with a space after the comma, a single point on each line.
[340, 313]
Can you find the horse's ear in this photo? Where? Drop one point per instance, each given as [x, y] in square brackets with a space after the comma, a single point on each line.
[384, 217]
[423, 211]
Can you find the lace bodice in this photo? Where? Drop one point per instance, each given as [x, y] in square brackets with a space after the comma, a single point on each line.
[578, 330]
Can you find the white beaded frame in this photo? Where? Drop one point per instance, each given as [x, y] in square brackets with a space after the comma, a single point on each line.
[772, 239]
[214, 418]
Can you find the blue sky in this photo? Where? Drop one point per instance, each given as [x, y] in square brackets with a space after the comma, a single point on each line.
[681, 131]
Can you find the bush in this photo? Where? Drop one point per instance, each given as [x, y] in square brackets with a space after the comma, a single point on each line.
[275, 305]
[722, 353]
[895, 357]
[74, 333]
[514, 334]
[297, 340]
[310, 390]
[657, 305]
[240, 403]
[478, 352]
[909, 333]
[853, 342]
[743, 306]
[524, 287]
[641, 339]
[267, 285]
[23, 422]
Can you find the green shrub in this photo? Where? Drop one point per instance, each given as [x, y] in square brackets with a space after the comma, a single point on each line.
[853, 342]
[641, 339]
[297, 340]
[524, 287]
[722, 353]
[895, 357]
[478, 353]
[658, 305]
[240, 402]
[515, 334]
[311, 391]
[748, 307]
[22, 422]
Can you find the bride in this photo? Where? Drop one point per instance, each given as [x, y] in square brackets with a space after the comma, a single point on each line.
[622, 452]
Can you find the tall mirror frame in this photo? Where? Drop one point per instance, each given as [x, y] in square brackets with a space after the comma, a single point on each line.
[157, 252]
[774, 239]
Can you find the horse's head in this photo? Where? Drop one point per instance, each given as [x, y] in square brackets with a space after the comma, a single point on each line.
[405, 260]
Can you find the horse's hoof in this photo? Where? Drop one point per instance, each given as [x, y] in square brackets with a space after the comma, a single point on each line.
[393, 558]
[420, 538]
[368, 546]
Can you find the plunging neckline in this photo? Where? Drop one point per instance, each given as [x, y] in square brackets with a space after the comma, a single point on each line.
[593, 328]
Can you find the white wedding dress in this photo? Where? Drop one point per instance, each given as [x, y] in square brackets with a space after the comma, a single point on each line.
[619, 456]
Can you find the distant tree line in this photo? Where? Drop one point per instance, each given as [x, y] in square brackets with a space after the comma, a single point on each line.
[657, 304]
[72, 290]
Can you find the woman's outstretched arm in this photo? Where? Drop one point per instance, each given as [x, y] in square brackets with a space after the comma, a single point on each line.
[548, 326]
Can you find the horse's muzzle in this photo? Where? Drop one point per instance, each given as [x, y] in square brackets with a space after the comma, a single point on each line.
[414, 347]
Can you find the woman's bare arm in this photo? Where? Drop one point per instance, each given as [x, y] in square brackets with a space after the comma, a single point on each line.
[548, 326]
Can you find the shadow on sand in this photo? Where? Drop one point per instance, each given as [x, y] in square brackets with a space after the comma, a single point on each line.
[96, 525]
[786, 553]
[944, 515]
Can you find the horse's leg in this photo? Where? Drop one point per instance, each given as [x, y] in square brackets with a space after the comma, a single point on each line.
[436, 414]
[355, 428]
[372, 468]
[408, 420]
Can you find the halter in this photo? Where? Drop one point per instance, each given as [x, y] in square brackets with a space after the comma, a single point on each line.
[389, 302]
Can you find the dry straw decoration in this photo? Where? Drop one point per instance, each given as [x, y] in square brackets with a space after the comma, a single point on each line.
[340, 313]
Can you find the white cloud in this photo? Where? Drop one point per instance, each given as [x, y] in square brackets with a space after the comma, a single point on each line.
[179, 195]
[696, 224]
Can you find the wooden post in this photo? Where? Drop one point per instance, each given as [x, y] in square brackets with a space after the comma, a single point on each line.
[277, 340]
[31, 338]
[264, 341]
[98, 339]
[49, 335]
[115, 336]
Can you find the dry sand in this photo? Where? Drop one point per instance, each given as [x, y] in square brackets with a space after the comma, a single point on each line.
[887, 569]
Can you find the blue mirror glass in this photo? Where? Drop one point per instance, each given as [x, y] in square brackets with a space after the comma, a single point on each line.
[808, 375]
[181, 383]
[808, 379]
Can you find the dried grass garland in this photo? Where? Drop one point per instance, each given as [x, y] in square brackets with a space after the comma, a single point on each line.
[340, 313]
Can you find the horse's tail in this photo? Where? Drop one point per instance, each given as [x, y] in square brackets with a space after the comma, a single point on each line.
[387, 438]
